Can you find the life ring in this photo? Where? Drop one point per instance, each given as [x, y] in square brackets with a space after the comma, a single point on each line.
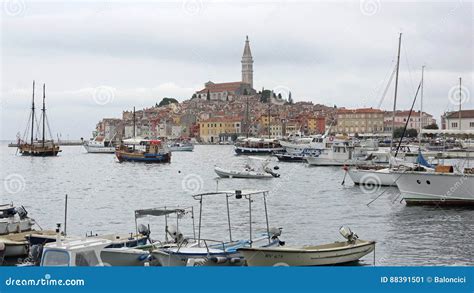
[331, 138]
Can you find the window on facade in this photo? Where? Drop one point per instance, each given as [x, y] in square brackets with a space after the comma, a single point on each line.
[454, 124]
[471, 124]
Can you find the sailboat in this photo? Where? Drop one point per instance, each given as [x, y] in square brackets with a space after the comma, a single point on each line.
[379, 175]
[35, 147]
[445, 185]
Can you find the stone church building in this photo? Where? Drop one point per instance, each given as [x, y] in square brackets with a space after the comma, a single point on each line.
[227, 90]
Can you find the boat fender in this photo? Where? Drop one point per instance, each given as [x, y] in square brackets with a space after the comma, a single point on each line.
[143, 257]
[281, 243]
[218, 259]
[235, 260]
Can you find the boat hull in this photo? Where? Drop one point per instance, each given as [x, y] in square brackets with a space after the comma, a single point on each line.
[143, 158]
[381, 177]
[243, 174]
[99, 150]
[319, 161]
[425, 188]
[256, 151]
[198, 257]
[124, 257]
[282, 256]
[189, 148]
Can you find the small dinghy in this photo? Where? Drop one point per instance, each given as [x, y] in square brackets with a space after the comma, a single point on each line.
[327, 254]
[254, 168]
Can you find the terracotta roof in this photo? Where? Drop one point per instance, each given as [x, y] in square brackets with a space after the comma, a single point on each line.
[221, 87]
[360, 110]
[464, 114]
[406, 113]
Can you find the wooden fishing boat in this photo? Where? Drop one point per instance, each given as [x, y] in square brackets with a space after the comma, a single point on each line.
[327, 254]
[143, 150]
[151, 151]
[35, 147]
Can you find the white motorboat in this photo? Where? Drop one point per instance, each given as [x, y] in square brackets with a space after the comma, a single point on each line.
[246, 173]
[340, 154]
[439, 187]
[254, 168]
[218, 252]
[77, 252]
[14, 219]
[181, 146]
[372, 176]
[335, 253]
[99, 145]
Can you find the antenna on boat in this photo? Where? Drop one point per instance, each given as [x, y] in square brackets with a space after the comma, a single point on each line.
[65, 215]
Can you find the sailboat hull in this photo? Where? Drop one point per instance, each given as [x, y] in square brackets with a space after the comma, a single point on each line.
[425, 188]
[39, 151]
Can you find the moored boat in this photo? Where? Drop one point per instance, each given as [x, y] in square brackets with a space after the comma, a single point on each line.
[335, 253]
[150, 151]
[256, 146]
[99, 145]
[439, 187]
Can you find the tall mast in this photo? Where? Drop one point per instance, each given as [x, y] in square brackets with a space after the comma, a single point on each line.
[460, 102]
[421, 105]
[33, 113]
[396, 91]
[134, 127]
[269, 104]
[44, 112]
[247, 117]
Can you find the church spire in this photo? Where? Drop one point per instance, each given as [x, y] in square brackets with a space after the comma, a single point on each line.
[247, 64]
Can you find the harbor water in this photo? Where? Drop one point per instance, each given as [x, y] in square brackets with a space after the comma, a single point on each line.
[309, 203]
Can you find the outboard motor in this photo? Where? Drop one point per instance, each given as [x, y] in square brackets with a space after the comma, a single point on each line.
[175, 234]
[21, 211]
[270, 171]
[143, 230]
[275, 233]
[36, 251]
[348, 234]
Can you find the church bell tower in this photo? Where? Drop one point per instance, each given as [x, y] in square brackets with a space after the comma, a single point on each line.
[247, 64]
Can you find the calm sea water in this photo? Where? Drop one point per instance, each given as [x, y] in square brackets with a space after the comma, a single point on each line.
[309, 203]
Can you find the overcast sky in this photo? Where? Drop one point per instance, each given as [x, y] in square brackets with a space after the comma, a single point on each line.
[99, 58]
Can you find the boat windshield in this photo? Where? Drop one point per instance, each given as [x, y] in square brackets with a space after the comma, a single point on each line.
[56, 258]
[87, 258]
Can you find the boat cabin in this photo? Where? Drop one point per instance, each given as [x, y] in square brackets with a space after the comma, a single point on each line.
[77, 252]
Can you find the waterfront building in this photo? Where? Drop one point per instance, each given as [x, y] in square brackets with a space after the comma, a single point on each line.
[212, 129]
[452, 121]
[360, 121]
[401, 118]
